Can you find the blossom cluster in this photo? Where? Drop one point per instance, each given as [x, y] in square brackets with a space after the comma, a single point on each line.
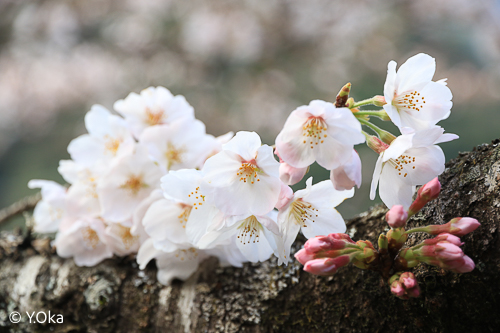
[151, 181]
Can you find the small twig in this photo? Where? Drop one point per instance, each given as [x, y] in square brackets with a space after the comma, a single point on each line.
[19, 207]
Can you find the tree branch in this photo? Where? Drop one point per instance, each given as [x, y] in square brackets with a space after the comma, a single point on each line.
[115, 296]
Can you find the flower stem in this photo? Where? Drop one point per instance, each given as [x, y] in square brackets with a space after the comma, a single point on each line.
[385, 136]
[380, 114]
[421, 229]
[368, 101]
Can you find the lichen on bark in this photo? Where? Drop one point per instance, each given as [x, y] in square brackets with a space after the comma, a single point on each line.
[115, 296]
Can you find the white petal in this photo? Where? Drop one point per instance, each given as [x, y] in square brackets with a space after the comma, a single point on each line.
[245, 144]
[429, 163]
[393, 188]
[390, 82]
[146, 253]
[376, 176]
[417, 69]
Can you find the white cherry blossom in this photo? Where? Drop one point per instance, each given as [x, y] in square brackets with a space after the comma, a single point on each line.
[154, 106]
[181, 144]
[312, 210]
[109, 137]
[412, 159]
[129, 181]
[49, 211]
[319, 132]
[173, 262]
[348, 174]
[257, 237]
[85, 241]
[82, 197]
[121, 240]
[413, 99]
[244, 176]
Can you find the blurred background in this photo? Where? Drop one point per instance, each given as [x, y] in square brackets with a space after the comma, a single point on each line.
[243, 65]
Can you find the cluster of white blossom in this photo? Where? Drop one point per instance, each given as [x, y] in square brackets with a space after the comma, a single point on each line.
[152, 182]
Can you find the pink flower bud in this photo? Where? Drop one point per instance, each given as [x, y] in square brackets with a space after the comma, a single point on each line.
[405, 286]
[326, 266]
[458, 226]
[340, 236]
[461, 226]
[461, 265]
[442, 251]
[396, 216]
[376, 144]
[446, 237]
[430, 191]
[426, 193]
[397, 289]
[303, 256]
[408, 280]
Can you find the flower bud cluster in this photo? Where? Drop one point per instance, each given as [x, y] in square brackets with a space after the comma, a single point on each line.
[404, 285]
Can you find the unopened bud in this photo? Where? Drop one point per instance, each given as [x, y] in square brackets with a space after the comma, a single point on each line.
[379, 100]
[426, 193]
[440, 251]
[396, 216]
[367, 256]
[404, 285]
[383, 243]
[326, 266]
[342, 96]
[458, 226]
[386, 136]
[397, 238]
[376, 144]
[461, 265]
[444, 237]
[349, 103]
[331, 246]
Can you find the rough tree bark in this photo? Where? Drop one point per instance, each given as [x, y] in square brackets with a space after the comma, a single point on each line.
[117, 297]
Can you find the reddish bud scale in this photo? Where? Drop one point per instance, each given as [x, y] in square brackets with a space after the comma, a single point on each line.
[376, 144]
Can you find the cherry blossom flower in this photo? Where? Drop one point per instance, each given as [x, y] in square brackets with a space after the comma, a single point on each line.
[85, 241]
[49, 211]
[137, 228]
[412, 159]
[179, 145]
[348, 174]
[413, 99]
[121, 240]
[319, 132]
[82, 197]
[244, 176]
[130, 180]
[257, 237]
[109, 137]
[172, 262]
[154, 106]
[312, 210]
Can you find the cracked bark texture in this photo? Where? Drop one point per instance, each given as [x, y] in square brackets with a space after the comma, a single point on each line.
[115, 296]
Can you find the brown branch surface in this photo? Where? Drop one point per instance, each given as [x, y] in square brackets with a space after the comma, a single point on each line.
[117, 297]
[19, 207]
